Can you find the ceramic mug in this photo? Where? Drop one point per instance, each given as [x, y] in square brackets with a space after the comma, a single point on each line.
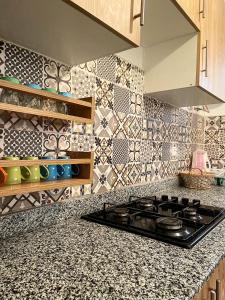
[3, 176]
[220, 180]
[36, 173]
[14, 173]
[55, 171]
[69, 170]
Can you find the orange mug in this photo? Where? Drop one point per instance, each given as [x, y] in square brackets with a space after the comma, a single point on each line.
[3, 176]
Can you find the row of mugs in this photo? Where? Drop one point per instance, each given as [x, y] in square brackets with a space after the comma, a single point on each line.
[35, 173]
[33, 101]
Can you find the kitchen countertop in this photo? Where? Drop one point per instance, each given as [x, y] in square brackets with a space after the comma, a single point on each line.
[77, 259]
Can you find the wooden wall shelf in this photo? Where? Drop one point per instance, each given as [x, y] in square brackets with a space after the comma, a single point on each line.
[39, 162]
[80, 110]
[41, 113]
[83, 159]
[18, 189]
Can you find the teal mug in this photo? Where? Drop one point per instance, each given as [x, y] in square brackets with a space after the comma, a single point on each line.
[69, 170]
[55, 171]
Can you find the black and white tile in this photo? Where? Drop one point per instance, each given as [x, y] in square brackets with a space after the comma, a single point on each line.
[104, 122]
[57, 76]
[103, 151]
[22, 143]
[104, 94]
[106, 67]
[120, 151]
[25, 65]
[2, 58]
[123, 73]
[121, 99]
[82, 142]
[83, 84]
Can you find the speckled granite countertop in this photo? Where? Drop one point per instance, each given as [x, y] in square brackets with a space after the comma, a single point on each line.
[76, 259]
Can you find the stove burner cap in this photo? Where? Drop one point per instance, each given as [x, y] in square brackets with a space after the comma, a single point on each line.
[146, 203]
[169, 223]
[190, 211]
[121, 212]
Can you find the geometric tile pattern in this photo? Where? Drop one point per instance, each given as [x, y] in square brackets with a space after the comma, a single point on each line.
[106, 67]
[215, 140]
[22, 143]
[134, 138]
[25, 65]
[104, 122]
[104, 94]
[2, 58]
[123, 73]
[120, 151]
[103, 151]
[57, 76]
[82, 83]
[121, 99]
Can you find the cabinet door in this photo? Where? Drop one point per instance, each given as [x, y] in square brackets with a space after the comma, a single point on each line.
[212, 284]
[212, 57]
[191, 9]
[118, 15]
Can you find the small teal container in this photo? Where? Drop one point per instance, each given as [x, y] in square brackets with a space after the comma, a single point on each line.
[34, 86]
[66, 94]
[69, 170]
[55, 171]
[220, 180]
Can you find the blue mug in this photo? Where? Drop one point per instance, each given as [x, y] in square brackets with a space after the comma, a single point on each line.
[55, 171]
[69, 170]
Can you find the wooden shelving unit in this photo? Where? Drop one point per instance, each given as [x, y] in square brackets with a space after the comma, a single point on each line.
[80, 110]
[16, 189]
[83, 159]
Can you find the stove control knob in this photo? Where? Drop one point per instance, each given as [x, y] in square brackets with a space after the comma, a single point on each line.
[164, 198]
[196, 202]
[185, 201]
[174, 199]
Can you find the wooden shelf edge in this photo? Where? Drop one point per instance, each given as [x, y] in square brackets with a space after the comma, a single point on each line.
[87, 102]
[23, 162]
[41, 113]
[23, 188]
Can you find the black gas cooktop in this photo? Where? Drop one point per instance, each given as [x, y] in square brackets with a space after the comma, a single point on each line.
[181, 222]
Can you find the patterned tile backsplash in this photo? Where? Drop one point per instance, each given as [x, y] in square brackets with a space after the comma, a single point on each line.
[215, 140]
[135, 139]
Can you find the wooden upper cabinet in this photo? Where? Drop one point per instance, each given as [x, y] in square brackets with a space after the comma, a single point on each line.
[212, 56]
[75, 31]
[192, 9]
[118, 15]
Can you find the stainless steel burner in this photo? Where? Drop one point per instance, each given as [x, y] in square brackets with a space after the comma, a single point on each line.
[169, 223]
[191, 213]
[121, 212]
[146, 204]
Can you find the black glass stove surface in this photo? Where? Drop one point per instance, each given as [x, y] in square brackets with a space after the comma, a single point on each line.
[180, 222]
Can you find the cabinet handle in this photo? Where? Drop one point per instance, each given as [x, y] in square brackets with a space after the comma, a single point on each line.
[218, 289]
[141, 15]
[202, 11]
[212, 295]
[206, 58]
